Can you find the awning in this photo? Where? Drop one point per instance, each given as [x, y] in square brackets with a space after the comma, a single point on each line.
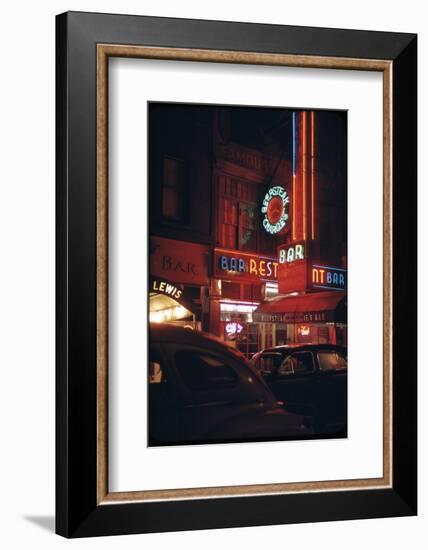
[167, 301]
[329, 306]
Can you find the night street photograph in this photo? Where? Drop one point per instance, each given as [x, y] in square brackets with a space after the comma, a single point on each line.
[247, 309]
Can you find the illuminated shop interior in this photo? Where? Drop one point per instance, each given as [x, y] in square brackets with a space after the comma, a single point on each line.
[164, 309]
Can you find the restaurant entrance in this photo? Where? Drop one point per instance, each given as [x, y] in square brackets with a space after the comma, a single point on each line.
[317, 318]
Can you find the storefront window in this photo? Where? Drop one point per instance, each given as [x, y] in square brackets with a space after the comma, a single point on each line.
[271, 290]
[247, 341]
[304, 333]
[236, 312]
[323, 336]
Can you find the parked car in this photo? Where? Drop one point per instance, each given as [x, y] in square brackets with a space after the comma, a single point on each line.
[201, 390]
[311, 379]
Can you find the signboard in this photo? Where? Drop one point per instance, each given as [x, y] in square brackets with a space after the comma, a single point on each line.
[331, 278]
[165, 287]
[178, 305]
[179, 261]
[292, 276]
[298, 274]
[275, 210]
[291, 253]
[242, 266]
[293, 317]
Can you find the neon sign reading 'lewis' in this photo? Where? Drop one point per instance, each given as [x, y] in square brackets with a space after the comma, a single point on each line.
[328, 277]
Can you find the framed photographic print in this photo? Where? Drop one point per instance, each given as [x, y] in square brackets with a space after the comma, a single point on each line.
[236, 274]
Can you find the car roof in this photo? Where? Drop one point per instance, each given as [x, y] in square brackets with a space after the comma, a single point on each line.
[163, 332]
[302, 347]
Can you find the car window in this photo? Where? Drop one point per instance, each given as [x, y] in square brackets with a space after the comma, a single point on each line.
[203, 372]
[331, 360]
[267, 362]
[286, 367]
[156, 371]
[297, 363]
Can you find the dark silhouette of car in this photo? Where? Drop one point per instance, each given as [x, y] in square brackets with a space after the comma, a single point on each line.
[311, 379]
[202, 391]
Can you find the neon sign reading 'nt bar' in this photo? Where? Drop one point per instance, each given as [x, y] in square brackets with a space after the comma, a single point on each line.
[328, 277]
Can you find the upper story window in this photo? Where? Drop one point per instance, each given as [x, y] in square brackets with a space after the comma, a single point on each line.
[247, 226]
[238, 213]
[173, 190]
[229, 228]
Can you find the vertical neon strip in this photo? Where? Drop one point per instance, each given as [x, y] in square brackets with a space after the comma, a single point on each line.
[294, 143]
[312, 172]
[304, 161]
[294, 176]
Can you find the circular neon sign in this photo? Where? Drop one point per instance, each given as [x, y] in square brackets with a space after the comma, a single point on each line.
[275, 210]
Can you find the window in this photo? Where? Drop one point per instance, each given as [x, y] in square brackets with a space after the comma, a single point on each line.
[268, 362]
[331, 360]
[287, 367]
[239, 213]
[156, 373]
[297, 363]
[252, 293]
[231, 291]
[247, 227]
[202, 372]
[173, 192]
[230, 223]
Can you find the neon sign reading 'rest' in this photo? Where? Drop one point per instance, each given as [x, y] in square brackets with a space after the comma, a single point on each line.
[251, 266]
[328, 277]
[274, 208]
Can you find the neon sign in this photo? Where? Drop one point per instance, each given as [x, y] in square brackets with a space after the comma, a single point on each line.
[244, 266]
[328, 277]
[165, 287]
[252, 266]
[303, 330]
[274, 208]
[291, 253]
[233, 328]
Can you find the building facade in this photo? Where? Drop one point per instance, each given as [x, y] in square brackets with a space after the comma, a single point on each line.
[247, 223]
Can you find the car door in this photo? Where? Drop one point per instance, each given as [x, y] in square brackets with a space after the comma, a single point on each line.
[332, 365]
[295, 382]
[214, 390]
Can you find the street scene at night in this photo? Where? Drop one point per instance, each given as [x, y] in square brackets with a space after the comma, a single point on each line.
[247, 217]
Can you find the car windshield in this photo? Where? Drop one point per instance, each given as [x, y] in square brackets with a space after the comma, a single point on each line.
[332, 361]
